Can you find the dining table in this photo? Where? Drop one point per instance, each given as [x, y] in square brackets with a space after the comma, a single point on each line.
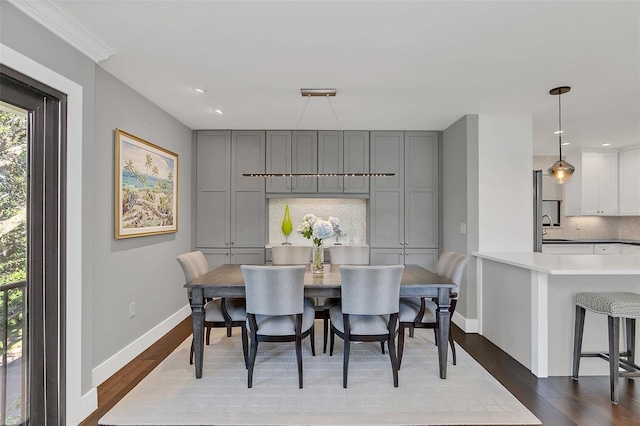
[227, 281]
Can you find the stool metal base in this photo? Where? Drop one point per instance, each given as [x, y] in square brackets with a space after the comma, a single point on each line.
[614, 354]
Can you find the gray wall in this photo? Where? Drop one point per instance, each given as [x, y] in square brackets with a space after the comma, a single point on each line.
[143, 269]
[114, 273]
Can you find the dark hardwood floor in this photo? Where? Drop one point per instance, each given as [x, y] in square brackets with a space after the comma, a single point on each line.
[555, 401]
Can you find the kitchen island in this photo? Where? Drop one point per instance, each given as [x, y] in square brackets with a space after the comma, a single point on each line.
[526, 305]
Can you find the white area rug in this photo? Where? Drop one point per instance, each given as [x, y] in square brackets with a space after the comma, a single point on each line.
[170, 394]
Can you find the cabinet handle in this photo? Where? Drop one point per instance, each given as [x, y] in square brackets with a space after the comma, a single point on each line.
[226, 243]
[405, 243]
[401, 243]
[232, 243]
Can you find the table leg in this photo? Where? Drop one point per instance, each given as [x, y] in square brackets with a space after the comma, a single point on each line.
[197, 322]
[444, 301]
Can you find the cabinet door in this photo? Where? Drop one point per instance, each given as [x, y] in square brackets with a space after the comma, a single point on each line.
[421, 190]
[330, 160]
[278, 160]
[248, 202]
[386, 203]
[427, 258]
[213, 152]
[217, 257]
[630, 249]
[599, 183]
[304, 157]
[356, 160]
[386, 256]
[629, 182]
[607, 249]
[247, 256]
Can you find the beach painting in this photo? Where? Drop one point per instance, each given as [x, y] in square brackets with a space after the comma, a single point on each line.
[146, 188]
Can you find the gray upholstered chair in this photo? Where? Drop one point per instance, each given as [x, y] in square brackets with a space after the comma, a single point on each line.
[290, 255]
[615, 305]
[277, 310]
[219, 312]
[342, 255]
[420, 312]
[368, 311]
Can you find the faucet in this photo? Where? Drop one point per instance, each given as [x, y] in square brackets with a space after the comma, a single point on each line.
[544, 232]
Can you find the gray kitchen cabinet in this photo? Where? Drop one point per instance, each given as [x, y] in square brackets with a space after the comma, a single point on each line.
[403, 209]
[427, 258]
[230, 208]
[247, 256]
[292, 152]
[343, 152]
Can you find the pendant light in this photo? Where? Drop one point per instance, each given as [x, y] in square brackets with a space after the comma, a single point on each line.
[560, 171]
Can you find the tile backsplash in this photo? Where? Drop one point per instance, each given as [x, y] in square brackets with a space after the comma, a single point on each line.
[351, 212]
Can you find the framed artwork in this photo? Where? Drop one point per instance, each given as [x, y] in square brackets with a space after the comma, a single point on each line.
[146, 188]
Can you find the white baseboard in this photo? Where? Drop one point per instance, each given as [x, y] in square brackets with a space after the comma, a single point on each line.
[105, 370]
[88, 404]
[467, 325]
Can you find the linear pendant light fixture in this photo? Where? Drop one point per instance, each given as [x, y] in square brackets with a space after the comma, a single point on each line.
[560, 171]
[308, 93]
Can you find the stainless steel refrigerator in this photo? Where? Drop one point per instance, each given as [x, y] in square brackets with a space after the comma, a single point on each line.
[537, 210]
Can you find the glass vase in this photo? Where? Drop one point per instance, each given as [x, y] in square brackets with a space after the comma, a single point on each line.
[317, 264]
[287, 226]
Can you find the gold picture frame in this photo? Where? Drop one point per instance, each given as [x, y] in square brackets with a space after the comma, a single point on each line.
[146, 188]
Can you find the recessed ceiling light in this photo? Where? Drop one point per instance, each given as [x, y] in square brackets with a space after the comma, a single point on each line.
[218, 111]
[558, 132]
[199, 90]
[566, 143]
[606, 144]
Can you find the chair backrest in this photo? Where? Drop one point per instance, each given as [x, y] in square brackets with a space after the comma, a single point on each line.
[451, 265]
[193, 264]
[290, 255]
[274, 290]
[371, 290]
[349, 255]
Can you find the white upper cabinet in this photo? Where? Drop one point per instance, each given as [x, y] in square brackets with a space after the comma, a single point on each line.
[629, 167]
[593, 189]
[343, 152]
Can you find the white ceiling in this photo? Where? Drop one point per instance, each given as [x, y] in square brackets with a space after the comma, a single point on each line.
[396, 65]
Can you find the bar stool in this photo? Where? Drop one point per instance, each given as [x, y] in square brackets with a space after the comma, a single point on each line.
[615, 305]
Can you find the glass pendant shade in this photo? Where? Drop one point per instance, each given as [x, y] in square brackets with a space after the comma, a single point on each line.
[561, 171]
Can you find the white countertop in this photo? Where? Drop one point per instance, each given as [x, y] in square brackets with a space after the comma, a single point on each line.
[269, 245]
[569, 264]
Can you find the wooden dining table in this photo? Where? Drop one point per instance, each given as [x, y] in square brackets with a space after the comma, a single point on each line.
[228, 281]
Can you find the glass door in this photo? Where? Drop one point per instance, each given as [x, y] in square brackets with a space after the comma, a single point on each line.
[13, 264]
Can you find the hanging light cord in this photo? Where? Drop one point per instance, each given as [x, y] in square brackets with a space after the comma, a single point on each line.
[560, 125]
[334, 113]
[303, 110]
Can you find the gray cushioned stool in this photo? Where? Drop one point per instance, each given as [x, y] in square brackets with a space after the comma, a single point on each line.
[615, 305]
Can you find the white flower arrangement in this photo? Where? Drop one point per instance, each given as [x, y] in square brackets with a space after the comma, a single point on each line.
[317, 228]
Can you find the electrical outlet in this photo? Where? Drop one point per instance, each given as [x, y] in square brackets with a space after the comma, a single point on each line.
[132, 309]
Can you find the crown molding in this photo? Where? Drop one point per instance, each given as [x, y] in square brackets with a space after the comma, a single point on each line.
[51, 17]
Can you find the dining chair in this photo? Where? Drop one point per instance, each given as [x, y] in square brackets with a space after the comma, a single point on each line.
[342, 255]
[219, 312]
[421, 312]
[277, 310]
[368, 310]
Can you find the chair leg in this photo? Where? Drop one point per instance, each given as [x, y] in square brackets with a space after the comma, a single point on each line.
[382, 347]
[245, 345]
[229, 333]
[333, 340]
[345, 362]
[614, 356]
[394, 360]
[400, 345]
[631, 339]
[252, 358]
[191, 354]
[453, 346]
[411, 332]
[208, 335]
[313, 340]
[577, 340]
[326, 329]
[299, 359]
